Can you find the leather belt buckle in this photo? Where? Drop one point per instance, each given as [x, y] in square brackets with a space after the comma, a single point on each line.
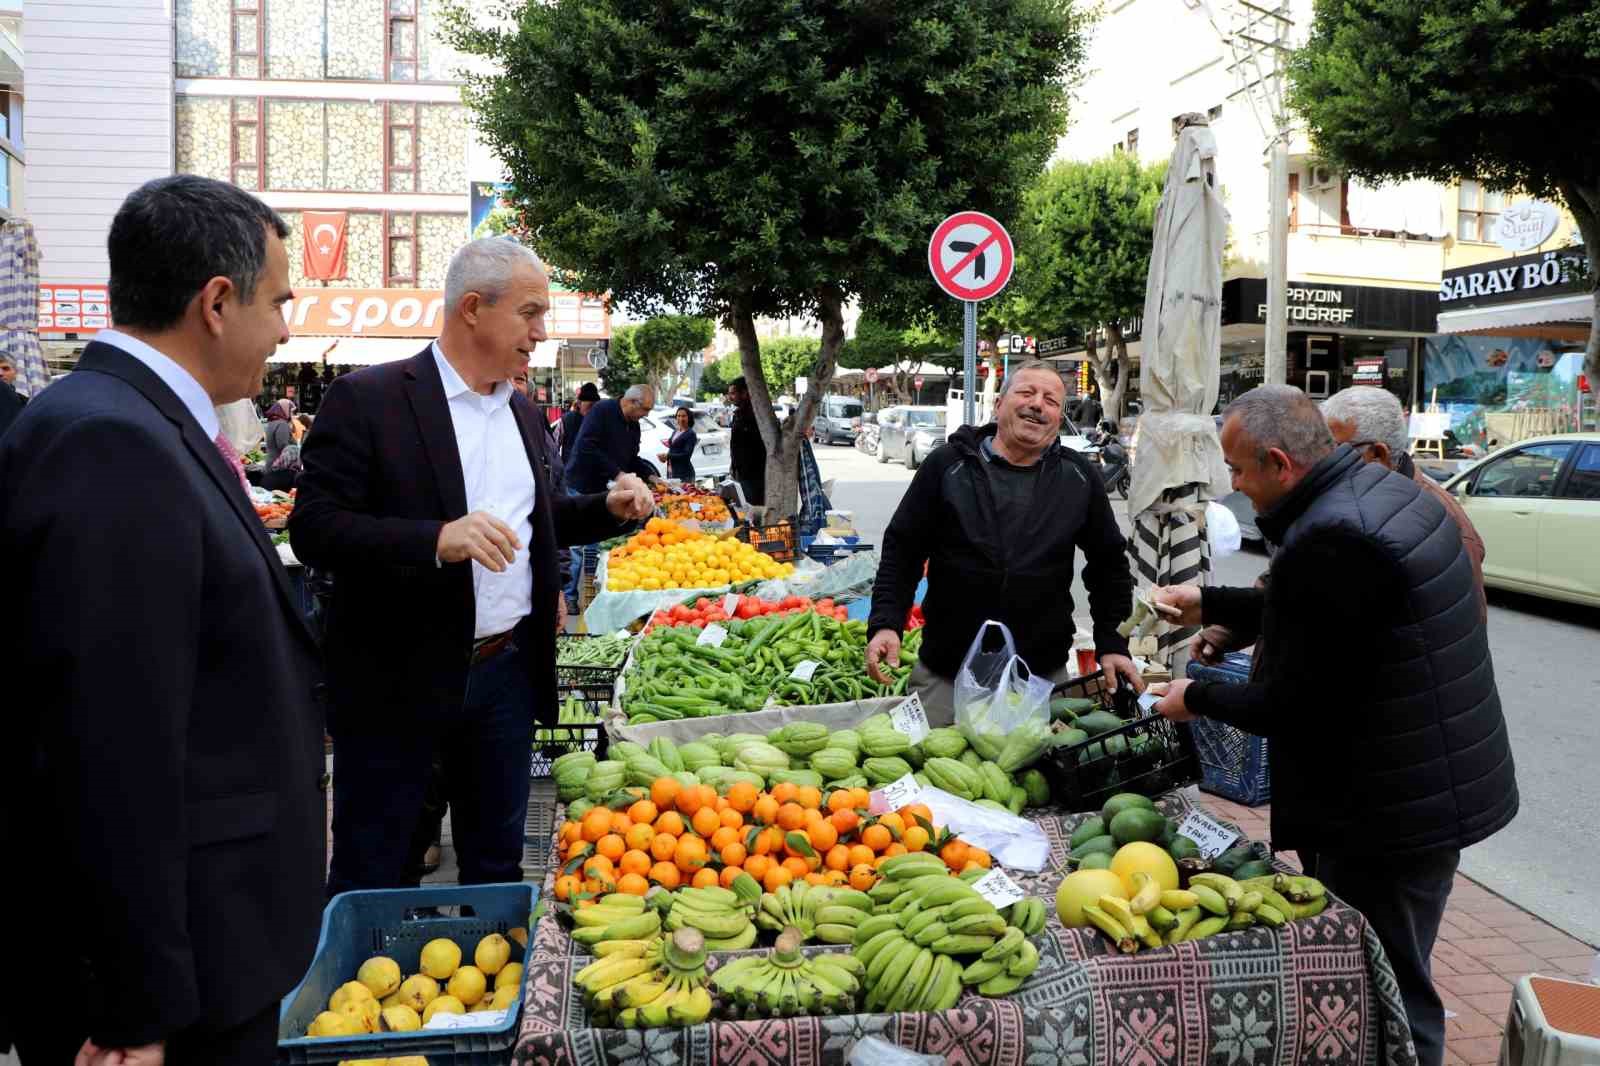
[489, 647]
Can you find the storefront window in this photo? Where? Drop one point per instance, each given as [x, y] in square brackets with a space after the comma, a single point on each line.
[1502, 389]
[1478, 210]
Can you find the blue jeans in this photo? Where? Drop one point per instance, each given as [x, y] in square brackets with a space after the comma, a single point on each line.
[379, 777]
[574, 568]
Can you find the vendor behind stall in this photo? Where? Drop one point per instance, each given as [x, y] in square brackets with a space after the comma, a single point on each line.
[996, 514]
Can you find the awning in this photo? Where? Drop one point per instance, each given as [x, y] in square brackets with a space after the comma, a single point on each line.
[1578, 307]
[348, 351]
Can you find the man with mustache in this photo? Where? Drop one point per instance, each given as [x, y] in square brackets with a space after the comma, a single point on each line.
[997, 514]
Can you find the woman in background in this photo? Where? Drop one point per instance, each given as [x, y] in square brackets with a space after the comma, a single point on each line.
[679, 455]
[280, 430]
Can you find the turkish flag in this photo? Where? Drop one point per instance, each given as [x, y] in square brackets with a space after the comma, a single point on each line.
[324, 233]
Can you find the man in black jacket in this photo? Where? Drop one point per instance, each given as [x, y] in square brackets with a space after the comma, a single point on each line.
[1389, 751]
[572, 420]
[161, 769]
[747, 452]
[996, 514]
[608, 442]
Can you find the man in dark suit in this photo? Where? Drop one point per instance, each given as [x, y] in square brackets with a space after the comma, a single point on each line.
[164, 768]
[425, 494]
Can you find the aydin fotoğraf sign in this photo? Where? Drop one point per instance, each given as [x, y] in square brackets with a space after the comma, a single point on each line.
[1307, 304]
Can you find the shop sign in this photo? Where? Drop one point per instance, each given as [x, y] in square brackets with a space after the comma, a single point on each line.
[1523, 227]
[72, 308]
[1308, 304]
[418, 313]
[1347, 307]
[1370, 371]
[1508, 280]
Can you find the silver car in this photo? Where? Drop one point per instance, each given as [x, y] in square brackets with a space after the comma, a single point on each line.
[899, 430]
[838, 420]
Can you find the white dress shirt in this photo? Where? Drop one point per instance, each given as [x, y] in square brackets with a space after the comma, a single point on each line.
[175, 377]
[499, 481]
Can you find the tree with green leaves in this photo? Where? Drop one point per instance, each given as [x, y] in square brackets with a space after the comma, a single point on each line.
[750, 158]
[666, 341]
[1083, 257]
[1452, 90]
[623, 366]
[900, 349]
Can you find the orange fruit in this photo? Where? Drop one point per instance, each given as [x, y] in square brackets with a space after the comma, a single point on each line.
[742, 796]
[838, 858]
[815, 879]
[834, 878]
[757, 866]
[721, 804]
[705, 821]
[728, 874]
[566, 886]
[662, 846]
[761, 844]
[670, 823]
[954, 854]
[839, 799]
[592, 887]
[813, 817]
[776, 878]
[809, 797]
[723, 837]
[785, 791]
[796, 866]
[705, 877]
[894, 849]
[731, 818]
[708, 797]
[895, 823]
[912, 811]
[663, 791]
[638, 838]
[633, 884]
[791, 816]
[766, 810]
[775, 839]
[596, 824]
[597, 862]
[666, 875]
[689, 800]
[620, 822]
[863, 876]
[691, 854]
[979, 856]
[732, 854]
[915, 838]
[971, 865]
[634, 862]
[823, 835]
[861, 855]
[568, 831]
[644, 812]
[860, 799]
[876, 837]
[611, 846]
[845, 821]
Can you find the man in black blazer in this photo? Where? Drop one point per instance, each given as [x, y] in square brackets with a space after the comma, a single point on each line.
[162, 772]
[425, 494]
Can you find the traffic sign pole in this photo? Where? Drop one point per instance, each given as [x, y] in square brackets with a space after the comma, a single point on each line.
[969, 358]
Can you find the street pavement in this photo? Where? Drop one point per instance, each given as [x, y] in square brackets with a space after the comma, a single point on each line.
[1546, 861]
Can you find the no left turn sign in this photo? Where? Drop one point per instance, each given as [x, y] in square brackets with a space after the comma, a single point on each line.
[970, 256]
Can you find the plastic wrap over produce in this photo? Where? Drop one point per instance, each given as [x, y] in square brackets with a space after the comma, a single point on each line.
[613, 610]
[1014, 842]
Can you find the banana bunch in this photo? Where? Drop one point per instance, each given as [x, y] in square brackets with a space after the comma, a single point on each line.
[925, 921]
[785, 983]
[617, 916]
[664, 984]
[719, 914]
[1213, 903]
[1029, 915]
[814, 911]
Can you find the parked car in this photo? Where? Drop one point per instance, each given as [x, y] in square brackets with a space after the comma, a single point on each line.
[1537, 506]
[898, 427]
[838, 419]
[711, 458]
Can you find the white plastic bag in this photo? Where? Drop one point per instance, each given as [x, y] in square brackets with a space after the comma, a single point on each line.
[1222, 530]
[996, 694]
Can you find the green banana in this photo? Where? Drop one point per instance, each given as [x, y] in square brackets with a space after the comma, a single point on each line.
[869, 952]
[980, 970]
[1250, 901]
[962, 944]
[911, 865]
[1000, 986]
[1223, 885]
[837, 914]
[912, 984]
[1186, 920]
[922, 919]
[834, 933]
[1206, 927]
[947, 988]
[871, 927]
[988, 924]
[1209, 899]
[738, 942]
[1175, 900]
[1267, 914]
[1024, 962]
[965, 908]
[881, 961]
[892, 967]
[1008, 944]
[930, 933]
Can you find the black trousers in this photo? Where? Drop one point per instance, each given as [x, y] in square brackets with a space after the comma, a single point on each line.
[1403, 898]
[253, 1042]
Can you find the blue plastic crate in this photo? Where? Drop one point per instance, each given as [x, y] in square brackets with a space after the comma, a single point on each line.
[358, 925]
[1233, 763]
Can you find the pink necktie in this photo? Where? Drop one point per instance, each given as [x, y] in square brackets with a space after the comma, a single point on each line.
[232, 456]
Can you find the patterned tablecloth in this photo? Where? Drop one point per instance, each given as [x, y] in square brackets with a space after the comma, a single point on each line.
[1316, 991]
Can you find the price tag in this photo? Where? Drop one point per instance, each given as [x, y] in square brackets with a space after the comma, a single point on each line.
[803, 671]
[713, 635]
[998, 889]
[910, 719]
[695, 507]
[1213, 839]
[730, 603]
[897, 794]
[622, 634]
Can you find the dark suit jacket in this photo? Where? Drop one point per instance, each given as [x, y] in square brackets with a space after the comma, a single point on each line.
[162, 812]
[382, 476]
[11, 404]
[607, 445]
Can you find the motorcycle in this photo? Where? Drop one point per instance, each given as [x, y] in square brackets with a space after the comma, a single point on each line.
[1115, 469]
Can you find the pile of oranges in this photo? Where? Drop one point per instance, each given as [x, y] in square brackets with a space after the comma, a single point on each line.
[689, 835]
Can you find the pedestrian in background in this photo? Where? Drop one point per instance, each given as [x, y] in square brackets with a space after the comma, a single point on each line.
[280, 429]
[11, 401]
[747, 452]
[1389, 750]
[679, 455]
[425, 494]
[572, 420]
[171, 726]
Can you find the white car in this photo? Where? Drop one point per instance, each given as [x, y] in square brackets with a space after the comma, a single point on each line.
[711, 457]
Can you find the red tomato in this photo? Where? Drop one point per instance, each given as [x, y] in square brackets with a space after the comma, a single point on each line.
[701, 604]
[748, 608]
[825, 604]
[680, 613]
[791, 602]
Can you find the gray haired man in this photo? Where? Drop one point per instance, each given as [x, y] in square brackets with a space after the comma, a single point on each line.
[608, 443]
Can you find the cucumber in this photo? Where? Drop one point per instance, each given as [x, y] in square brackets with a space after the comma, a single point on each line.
[1106, 844]
[1093, 826]
[1070, 707]
[1095, 860]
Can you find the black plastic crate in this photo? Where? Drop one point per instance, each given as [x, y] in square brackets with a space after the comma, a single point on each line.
[828, 554]
[1149, 754]
[583, 677]
[779, 541]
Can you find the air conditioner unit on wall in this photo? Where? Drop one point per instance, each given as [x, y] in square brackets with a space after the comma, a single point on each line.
[1324, 177]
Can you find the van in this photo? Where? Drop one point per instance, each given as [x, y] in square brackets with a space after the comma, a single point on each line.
[838, 420]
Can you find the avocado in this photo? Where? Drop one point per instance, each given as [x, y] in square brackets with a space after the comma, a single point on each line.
[1095, 860]
[1097, 722]
[1169, 833]
[1068, 737]
[1183, 848]
[1233, 858]
[1093, 826]
[1106, 843]
[1115, 805]
[1253, 868]
[1069, 707]
[1136, 823]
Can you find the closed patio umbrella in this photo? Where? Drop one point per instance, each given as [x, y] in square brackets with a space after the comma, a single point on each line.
[19, 305]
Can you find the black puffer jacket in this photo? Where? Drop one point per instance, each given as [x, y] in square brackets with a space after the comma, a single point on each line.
[1378, 691]
[948, 520]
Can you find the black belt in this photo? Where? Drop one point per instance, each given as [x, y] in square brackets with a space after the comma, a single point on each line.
[488, 647]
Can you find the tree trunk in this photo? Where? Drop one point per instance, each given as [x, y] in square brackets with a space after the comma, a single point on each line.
[782, 440]
[1111, 372]
[1584, 203]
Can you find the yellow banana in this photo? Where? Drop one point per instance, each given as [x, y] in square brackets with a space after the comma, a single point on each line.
[1111, 928]
[1176, 899]
[1147, 893]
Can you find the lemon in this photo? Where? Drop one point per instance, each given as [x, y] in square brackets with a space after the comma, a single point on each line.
[510, 974]
[381, 975]
[365, 1012]
[418, 991]
[443, 1005]
[350, 990]
[505, 996]
[334, 1023]
[440, 958]
[467, 984]
[401, 1020]
[493, 952]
